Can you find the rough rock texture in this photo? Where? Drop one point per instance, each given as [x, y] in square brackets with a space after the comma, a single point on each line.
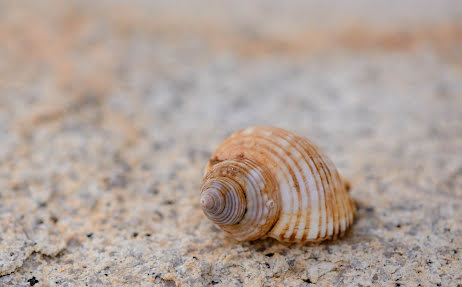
[109, 112]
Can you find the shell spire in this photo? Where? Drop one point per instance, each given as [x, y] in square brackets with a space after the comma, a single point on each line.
[223, 201]
[237, 195]
[269, 182]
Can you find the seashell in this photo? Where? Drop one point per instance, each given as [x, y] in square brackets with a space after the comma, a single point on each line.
[269, 182]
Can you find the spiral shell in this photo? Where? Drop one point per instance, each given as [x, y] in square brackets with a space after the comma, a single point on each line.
[269, 182]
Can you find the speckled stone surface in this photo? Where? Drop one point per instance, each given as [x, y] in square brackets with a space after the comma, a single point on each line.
[109, 112]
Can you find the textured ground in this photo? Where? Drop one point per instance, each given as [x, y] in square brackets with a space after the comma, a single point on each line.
[109, 112]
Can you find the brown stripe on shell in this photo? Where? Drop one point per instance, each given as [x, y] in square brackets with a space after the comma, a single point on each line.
[318, 170]
[335, 188]
[302, 152]
[315, 151]
[310, 150]
[295, 143]
[295, 181]
[339, 199]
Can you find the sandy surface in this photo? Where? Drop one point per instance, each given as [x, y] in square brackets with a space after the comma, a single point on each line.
[109, 112]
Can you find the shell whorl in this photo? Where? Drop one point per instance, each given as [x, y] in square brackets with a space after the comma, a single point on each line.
[223, 201]
[238, 195]
[308, 199]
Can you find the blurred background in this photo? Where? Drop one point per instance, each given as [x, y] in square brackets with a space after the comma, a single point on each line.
[109, 111]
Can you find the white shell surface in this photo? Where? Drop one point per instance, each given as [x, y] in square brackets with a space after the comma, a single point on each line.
[314, 202]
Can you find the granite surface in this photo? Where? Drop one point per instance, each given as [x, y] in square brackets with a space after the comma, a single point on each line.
[110, 110]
